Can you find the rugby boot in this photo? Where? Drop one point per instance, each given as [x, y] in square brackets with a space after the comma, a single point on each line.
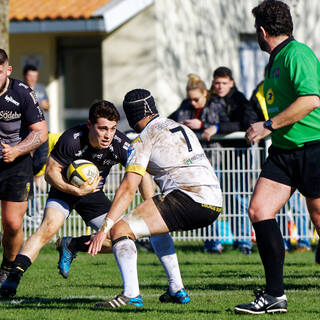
[65, 256]
[10, 285]
[3, 275]
[264, 303]
[120, 301]
[180, 297]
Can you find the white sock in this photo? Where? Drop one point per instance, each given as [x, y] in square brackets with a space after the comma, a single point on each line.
[164, 248]
[125, 252]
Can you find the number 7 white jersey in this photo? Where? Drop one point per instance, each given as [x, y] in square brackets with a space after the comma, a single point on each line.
[171, 152]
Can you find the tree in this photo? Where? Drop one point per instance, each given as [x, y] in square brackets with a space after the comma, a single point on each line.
[4, 25]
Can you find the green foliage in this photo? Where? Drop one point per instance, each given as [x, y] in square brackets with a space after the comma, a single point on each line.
[216, 283]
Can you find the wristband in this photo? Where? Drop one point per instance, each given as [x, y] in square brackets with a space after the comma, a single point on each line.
[107, 225]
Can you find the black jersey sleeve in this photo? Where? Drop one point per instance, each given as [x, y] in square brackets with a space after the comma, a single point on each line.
[67, 147]
[32, 112]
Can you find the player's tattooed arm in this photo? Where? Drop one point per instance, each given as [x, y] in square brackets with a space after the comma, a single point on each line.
[38, 135]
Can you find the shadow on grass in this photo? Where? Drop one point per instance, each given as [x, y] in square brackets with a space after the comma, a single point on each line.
[88, 304]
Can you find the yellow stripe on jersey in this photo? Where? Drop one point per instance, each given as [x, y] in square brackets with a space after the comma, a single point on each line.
[136, 169]
[262, 101]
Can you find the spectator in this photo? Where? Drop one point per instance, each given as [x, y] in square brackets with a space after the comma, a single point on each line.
[232, 104]
[230, 107]
[197, 111]
[30, 76]
[39, 156]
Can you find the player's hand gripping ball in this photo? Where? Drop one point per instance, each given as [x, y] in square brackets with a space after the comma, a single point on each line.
[80, 171]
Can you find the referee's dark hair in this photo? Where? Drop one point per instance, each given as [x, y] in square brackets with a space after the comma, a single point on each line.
[274, 16]
[103, 109]
[3, 57]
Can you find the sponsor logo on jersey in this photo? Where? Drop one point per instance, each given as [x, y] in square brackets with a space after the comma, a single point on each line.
[34, 97]
[9, 115]
[126, 145]
[81, 152]
[76, 135]
[111, 148]
[97, 155]
[117, 138]
[275, 73]
[109, 162]
[23, 85]
[273, 110]
[39, 110]
[10, 99]
[194, 158]
[270, 96]
[130, 154]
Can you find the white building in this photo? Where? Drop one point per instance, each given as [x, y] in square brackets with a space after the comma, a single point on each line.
[93, 49]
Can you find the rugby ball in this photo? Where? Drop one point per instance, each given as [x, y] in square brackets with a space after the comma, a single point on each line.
[80, 171]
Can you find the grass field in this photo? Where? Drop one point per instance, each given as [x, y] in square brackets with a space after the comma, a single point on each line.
[215, 283]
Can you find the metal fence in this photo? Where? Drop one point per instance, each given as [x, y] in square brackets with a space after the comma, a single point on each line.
[238, 170]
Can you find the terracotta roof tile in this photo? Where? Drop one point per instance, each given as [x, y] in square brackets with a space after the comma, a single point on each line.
[54, 9]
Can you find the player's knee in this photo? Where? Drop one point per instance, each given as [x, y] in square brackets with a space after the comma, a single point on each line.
[137, 225]
[120, 229]
[253, 213]
[12, 226]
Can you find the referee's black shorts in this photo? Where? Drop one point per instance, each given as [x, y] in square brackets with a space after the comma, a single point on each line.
[16, 179]
[298, 168]
[180, 212]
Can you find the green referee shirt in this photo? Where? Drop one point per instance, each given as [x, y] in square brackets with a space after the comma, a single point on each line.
[293, 71]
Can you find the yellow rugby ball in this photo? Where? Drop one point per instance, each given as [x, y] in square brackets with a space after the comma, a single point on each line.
[80, 171]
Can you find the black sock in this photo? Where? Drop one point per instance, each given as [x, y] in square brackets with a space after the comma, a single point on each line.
[271, 249]
[78, 244]
[21, 264]
[6, 264]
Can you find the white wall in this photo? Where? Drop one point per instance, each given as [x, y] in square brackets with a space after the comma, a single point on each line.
[197, 36]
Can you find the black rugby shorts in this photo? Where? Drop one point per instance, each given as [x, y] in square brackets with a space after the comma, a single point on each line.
[16, 179]
[298, 168]
[88, 207]
[180, 212]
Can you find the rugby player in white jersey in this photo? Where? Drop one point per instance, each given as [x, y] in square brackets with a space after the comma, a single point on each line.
[191, 196]
[100, 142]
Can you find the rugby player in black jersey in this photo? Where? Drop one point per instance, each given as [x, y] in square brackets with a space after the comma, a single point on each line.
[22, 129]
[101, 143]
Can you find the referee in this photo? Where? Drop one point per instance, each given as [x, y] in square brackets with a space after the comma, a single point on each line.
[291, 89]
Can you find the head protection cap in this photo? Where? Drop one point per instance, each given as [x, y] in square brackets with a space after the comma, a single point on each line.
[138, 104]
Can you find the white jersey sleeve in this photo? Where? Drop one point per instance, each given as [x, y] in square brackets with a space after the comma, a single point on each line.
[171, 152]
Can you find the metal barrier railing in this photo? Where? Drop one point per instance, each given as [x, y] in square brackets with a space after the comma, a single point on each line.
[238, 170]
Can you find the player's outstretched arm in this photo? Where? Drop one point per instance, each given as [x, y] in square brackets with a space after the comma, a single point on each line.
[120, 204]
